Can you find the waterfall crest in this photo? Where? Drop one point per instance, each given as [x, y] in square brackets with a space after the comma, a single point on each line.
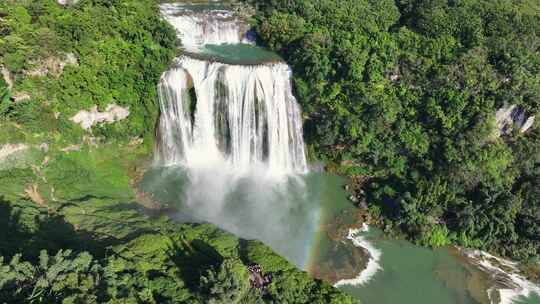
[205, 26]
[243, 115]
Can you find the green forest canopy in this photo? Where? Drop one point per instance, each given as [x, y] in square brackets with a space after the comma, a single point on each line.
[121, 48]
[404, 93]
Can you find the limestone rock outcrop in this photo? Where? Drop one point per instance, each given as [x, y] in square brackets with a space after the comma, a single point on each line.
[6, 74]
[67, 2]
[510, 118]
[13, 156]
[88, 119]
[52, 65]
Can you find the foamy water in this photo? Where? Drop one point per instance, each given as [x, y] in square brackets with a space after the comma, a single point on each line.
[372, 266]
[202, 27]
[518, 286]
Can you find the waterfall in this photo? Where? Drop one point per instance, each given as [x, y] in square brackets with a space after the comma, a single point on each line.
[229, 137]
[216, 114]
[197, 28]
[243, 115]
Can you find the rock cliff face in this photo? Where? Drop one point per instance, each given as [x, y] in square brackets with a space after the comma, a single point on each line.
[52, 65]
[13, 156]
[88, 119]
[510, 118]
[11, 149]
[7, 76]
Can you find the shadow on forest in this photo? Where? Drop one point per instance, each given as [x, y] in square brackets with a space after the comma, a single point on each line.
[28, 229]
[243, 251]
[193, 259]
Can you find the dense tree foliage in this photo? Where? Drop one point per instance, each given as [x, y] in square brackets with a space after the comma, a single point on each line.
[404, 93]
[62, 276]
[69, 58]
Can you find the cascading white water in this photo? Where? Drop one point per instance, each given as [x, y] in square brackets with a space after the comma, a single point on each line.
[213, 113]
[243, 115]
[231, 135]
[198, 28]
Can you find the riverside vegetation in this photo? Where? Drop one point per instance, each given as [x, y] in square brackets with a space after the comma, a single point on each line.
[71, 229]
[402, 95]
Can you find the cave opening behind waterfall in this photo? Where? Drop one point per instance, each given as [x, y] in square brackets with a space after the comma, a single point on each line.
[260, 124]
[255, 116]
[190, 103]
[221, 116]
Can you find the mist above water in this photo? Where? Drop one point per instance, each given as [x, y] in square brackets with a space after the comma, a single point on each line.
[283, 214]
